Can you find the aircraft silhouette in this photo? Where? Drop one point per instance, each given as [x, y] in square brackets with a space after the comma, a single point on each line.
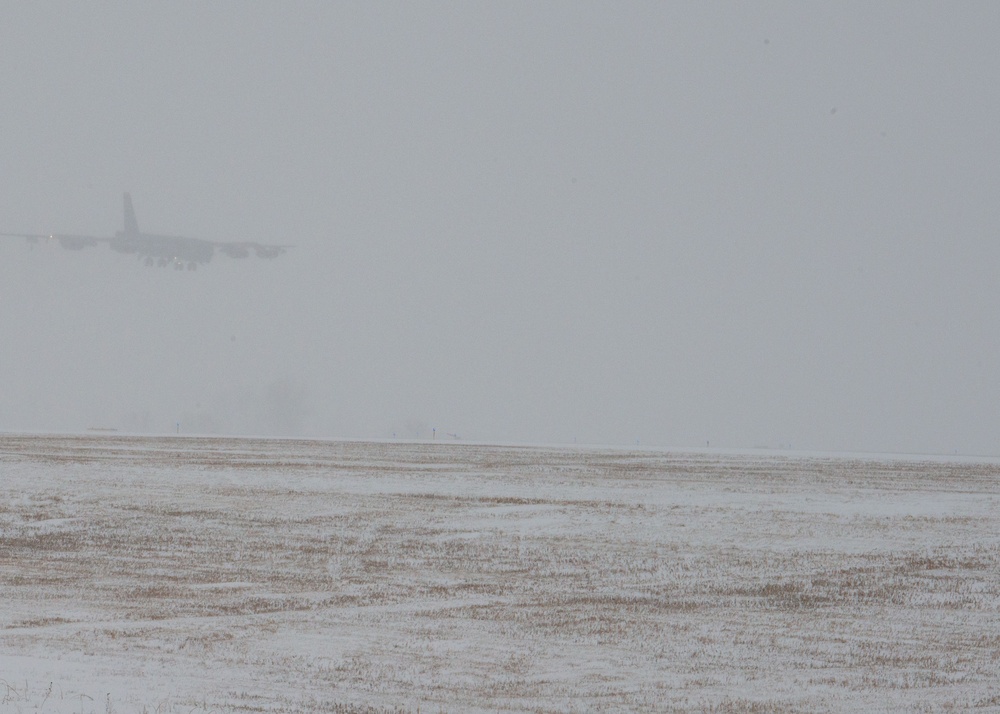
[156, 249]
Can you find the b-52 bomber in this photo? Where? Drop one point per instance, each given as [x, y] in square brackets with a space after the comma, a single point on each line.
[160, 250]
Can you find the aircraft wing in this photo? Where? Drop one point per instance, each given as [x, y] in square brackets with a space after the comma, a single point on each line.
[31, 237]
[243, 250]
[66, 240]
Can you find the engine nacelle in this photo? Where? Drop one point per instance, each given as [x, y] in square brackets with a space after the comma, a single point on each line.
[76, 242]
[268, 251]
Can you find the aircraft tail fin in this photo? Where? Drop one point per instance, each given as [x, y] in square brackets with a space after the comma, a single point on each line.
[131, 225]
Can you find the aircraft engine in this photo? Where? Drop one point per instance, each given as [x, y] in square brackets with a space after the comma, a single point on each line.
[76, 242]
[268, 251]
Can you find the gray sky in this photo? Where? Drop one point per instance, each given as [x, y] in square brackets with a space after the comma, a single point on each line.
[743, 223]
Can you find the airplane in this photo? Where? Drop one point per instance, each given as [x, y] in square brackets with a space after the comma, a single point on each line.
[160, 250]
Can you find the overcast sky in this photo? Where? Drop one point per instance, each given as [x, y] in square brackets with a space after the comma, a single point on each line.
[745, 224]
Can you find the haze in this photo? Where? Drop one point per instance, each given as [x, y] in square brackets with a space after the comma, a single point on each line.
[665, 223]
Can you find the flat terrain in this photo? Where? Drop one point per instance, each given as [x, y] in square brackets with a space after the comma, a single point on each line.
[186, 574]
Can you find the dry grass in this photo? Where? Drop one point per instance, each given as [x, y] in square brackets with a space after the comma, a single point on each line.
[388, 577]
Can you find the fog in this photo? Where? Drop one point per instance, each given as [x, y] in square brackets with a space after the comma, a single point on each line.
[765, 224]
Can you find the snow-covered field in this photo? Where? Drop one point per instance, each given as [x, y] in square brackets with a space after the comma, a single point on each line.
[194, 575]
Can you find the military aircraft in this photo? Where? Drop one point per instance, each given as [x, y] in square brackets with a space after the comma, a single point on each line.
[160, 250]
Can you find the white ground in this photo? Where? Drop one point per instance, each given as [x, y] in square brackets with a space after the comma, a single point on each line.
[169, 575]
